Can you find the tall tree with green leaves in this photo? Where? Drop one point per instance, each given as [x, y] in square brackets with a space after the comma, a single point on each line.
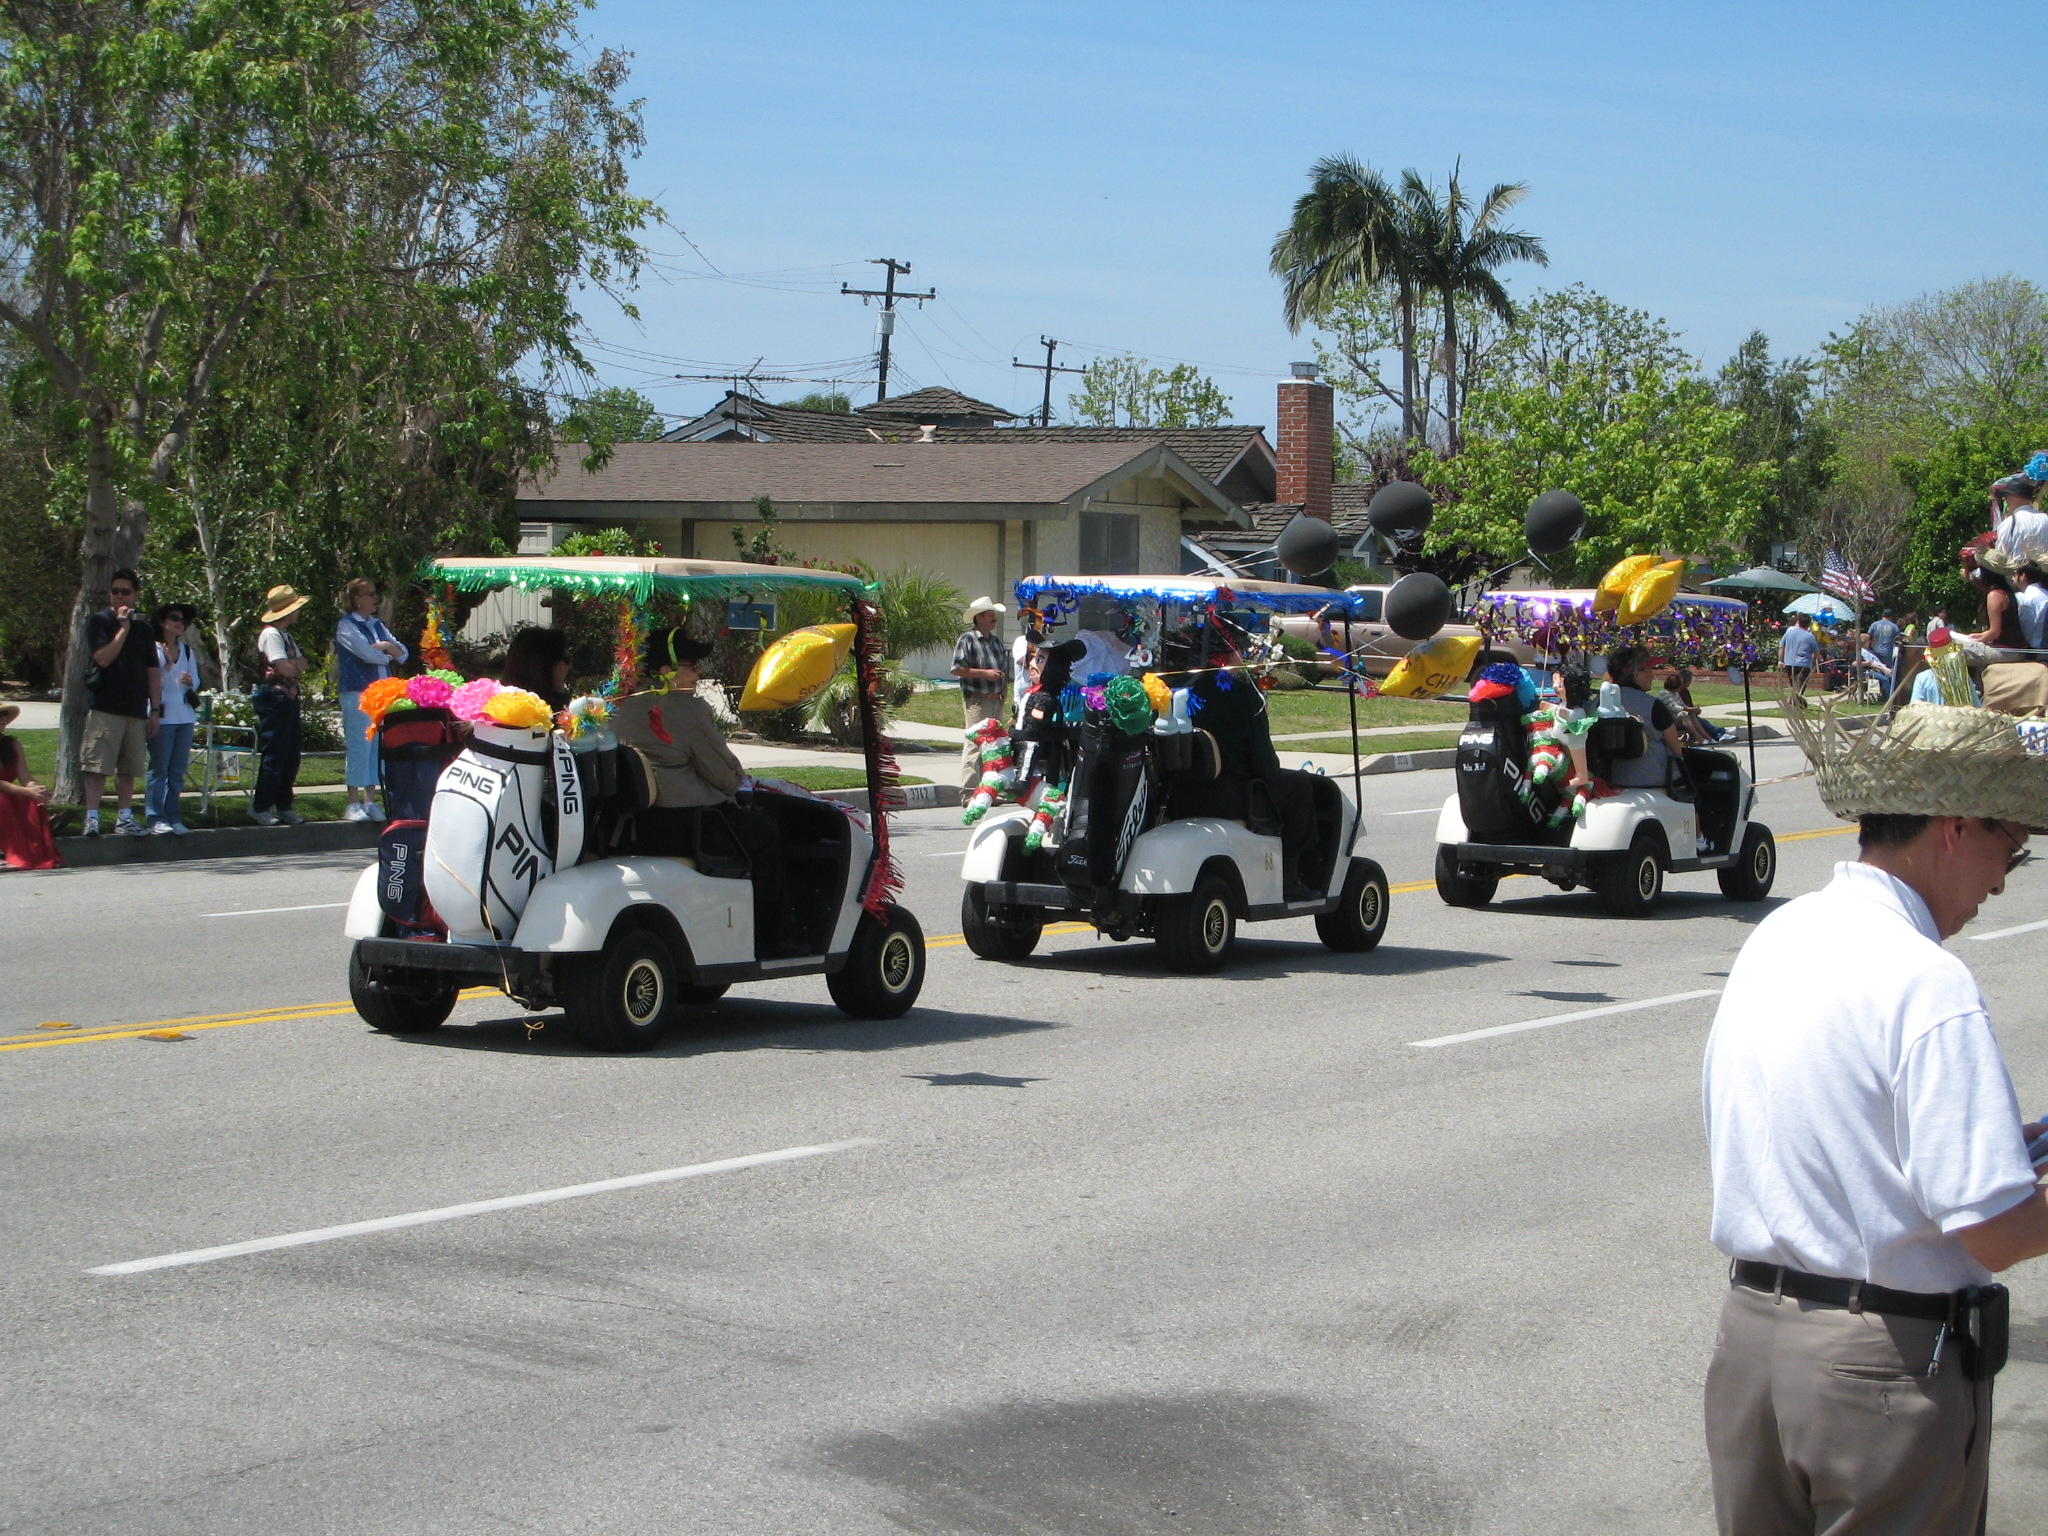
[1780, 432]
[1457, 246]
[616, 415]
[168, 168]
[1128, 391]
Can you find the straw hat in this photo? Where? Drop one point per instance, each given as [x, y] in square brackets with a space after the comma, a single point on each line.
[1928, 760]
[281, 603]
[8, 714]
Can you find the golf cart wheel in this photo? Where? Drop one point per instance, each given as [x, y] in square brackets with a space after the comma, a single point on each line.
[1750, 877]
[696, 996]
[622, 997]
[398, 1010]
[991, 938]
[884, 968]
[1360, 921]
[1459, 889]
[1630, 883]
[1194, 932]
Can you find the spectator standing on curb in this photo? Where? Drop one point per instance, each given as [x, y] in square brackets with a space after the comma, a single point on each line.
[1798, 650]
[1884, 639]
[278, 735]
[1871, 1167]
[124, 682]
[364, 651]
[177, 698]
[981, 662]
[25, 841]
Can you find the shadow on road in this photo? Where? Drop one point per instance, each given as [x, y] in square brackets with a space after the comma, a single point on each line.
[1254, 960]
[1674, 906]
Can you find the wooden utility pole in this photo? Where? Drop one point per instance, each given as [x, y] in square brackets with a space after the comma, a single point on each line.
[1046, 368]
[888, 295]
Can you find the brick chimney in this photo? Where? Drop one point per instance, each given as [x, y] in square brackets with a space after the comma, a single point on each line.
[1307, 432]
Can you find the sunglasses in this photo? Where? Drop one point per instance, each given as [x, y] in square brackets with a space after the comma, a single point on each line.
[2020, 852]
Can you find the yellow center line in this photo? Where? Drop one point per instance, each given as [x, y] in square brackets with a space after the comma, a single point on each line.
[286, 1014]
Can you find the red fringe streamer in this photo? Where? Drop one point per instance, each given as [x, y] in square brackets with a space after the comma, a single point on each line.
[884, 781]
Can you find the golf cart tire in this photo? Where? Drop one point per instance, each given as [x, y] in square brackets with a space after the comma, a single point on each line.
[1630, 883]
[621, 998]
[1360, 921]
[884, 968]
[692, 995]
[398, 1010]
[993, 940]
[1195, 932]
[1458, 889]
[1755, 868]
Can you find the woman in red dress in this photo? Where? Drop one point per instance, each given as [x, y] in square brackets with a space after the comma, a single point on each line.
[25, 841]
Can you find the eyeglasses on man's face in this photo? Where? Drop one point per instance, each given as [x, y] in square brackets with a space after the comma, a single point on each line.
[2020, 852]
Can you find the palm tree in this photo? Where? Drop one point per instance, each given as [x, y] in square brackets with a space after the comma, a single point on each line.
[1456, 246]
[1350, 229]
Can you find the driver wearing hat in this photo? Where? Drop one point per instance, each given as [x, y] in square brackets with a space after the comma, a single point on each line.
[1870, 1163]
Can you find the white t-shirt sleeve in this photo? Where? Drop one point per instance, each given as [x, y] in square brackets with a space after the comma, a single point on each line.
[1958, 1124]
[271, 643]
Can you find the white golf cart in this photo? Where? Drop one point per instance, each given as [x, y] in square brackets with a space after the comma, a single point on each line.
[510, 860]
[1116, 854]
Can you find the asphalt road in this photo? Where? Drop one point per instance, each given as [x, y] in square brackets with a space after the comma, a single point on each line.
[1113, 1251]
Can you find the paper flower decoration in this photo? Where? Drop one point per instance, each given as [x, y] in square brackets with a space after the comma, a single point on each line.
[377, 700]
[519, 709]
[585, 715]
[429, 692]
[469, 699]
[452, 679]
[1157, 691]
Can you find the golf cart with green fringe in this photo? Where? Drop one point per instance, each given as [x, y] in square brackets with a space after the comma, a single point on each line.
[511, 860]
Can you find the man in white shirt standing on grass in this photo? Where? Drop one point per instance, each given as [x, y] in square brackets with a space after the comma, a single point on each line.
[1871, 1167]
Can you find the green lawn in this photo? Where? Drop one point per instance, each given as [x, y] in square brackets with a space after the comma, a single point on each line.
[817, 779]
[1305, 710]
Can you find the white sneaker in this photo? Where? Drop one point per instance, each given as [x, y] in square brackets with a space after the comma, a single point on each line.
[293, 819]
[356, 812]
[128, 826]
[264, 818]
[373, 811]
[159, 829]
[92, 824]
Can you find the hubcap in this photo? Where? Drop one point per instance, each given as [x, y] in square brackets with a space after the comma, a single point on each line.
[1762, 863]
[643, 992]
[898, 960]
[1646, 878]
[1215, 923]
[1369, 907]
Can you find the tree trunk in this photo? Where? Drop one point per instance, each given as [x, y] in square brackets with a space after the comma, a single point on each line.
[209, 560]
[1408, 370]
[112, 538]
[1451, 438]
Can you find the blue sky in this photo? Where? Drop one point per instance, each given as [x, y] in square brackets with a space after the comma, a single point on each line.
[1113, 174]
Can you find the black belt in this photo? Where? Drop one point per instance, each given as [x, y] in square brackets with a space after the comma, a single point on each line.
[1856, 1295]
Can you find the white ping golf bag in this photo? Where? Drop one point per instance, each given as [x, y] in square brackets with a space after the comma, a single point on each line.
[487, 842]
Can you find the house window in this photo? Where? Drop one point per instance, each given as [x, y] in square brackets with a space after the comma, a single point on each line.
[1109, 543]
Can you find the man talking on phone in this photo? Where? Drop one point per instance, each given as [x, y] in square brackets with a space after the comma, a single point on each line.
[1871, 1167]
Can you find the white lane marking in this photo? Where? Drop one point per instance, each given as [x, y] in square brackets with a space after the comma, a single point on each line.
[1427, 810]
[318, 906]
[960, 854]
[2006, 933]
[1564, 1018]
[474, 1208]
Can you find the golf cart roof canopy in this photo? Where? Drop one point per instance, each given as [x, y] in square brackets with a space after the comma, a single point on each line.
[1265, 596]
[639, 579]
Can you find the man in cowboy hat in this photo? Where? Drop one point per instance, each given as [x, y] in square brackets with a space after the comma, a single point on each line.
[979, 660]
[123, 713]
[1870, 1163]
[278, 733]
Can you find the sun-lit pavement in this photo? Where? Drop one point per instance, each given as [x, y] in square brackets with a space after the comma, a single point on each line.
[1075, 1246]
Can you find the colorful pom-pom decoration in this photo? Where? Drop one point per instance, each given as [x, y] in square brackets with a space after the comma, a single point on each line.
[429, 692]
[469, 700]
[376, 702]
[1157, 691]
[520, 710]
[1129, 704]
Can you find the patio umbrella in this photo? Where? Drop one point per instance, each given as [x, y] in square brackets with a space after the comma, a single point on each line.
[1820, 605]
[1761, 578]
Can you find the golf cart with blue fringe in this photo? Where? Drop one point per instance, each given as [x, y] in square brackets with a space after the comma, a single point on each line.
[1102, 765]
[511, 861]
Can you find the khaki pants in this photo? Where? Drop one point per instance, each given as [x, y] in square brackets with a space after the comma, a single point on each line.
[989, 707]
[1825, 1420]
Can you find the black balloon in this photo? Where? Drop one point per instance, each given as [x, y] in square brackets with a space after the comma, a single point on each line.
[1307, 546]
[1417, 606]
[1555, 519]
[1400, 506]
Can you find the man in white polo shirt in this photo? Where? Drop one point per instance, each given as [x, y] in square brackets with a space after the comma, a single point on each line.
[1869, 1158]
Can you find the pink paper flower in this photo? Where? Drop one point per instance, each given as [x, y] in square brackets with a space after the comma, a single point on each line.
[429, 692]
[469, 700]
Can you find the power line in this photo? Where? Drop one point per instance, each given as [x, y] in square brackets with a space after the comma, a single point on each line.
[1048, 369]
[888, 295]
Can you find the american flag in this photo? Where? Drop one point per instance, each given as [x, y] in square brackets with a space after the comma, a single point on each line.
[1841, 578]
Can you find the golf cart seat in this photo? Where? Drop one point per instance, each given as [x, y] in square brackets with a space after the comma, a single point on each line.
[1614, 740]
[1195, 790]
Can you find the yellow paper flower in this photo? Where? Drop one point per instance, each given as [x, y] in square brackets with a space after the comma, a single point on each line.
[1157, 691]
[519, 709]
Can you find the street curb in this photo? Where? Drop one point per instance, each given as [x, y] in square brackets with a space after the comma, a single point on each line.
[227, 843]
[1408, 762]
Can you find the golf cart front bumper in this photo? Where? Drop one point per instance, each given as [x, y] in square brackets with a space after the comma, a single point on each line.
[408, 961]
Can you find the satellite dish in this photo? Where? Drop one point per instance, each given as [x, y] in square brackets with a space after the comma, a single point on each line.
[1417, 606]
[1554, 520]
[1307, 546]
[1400, 506]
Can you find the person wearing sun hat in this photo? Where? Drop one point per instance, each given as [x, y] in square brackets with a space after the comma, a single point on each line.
[1871, 1167]
[980, 661]
[25, 841]
[278, 726]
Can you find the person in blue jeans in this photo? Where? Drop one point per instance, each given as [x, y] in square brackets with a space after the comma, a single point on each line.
[364, 651]
[170, 749]
[279, 730]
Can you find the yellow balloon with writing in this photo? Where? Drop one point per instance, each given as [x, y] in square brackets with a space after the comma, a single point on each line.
[1651, 592]
[796, 666]
[1439, 666]
[1620, 578]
